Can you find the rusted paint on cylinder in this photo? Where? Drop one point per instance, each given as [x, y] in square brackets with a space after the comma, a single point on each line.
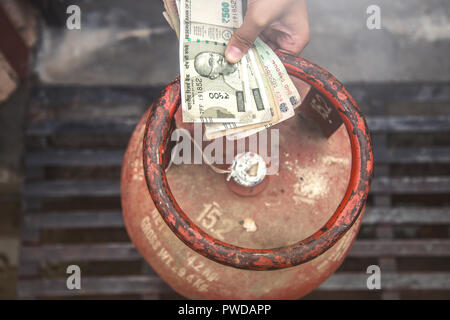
[304, 211]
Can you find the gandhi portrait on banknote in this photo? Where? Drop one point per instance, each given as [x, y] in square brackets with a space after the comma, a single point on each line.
[212, 65]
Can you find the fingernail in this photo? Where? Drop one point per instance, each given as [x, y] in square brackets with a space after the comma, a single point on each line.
[233, 54]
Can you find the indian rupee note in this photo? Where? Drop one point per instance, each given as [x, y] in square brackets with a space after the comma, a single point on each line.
[287, 96]
[214, 131]
[213, 90]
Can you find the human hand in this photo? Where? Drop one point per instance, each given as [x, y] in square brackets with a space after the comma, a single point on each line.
[282, 24]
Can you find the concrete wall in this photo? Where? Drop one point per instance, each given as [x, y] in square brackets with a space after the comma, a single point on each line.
[413, 44]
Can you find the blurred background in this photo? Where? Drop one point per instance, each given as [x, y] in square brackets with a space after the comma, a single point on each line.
[69, 100]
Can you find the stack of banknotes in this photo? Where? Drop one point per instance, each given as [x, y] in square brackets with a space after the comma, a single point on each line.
[233, 100]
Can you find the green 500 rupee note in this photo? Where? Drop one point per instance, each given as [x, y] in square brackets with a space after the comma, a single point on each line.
[285, 94]
[213, 90]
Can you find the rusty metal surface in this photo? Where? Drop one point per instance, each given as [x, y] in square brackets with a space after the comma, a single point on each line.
[197, 277]
[69, 142]
[157, 133]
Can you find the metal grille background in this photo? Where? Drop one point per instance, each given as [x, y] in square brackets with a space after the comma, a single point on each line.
[76, 138]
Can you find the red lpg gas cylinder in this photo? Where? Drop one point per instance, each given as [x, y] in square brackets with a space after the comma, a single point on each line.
[278, 238]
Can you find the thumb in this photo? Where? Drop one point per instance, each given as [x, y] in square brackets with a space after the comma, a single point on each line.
[260, 14]
[243, 38]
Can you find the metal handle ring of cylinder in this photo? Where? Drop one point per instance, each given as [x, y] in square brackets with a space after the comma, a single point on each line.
[157, 133]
